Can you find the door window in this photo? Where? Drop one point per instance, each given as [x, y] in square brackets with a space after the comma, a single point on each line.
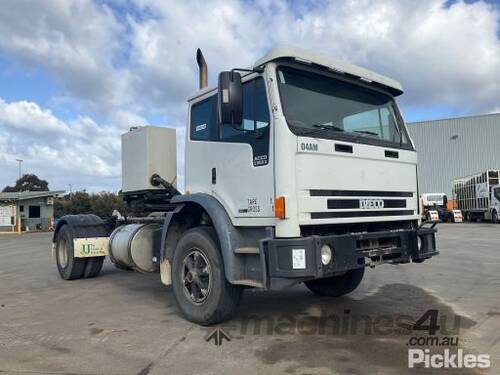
[254, 129]
[203, 120]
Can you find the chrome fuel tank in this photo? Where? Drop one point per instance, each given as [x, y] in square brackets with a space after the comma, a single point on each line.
[134, 245]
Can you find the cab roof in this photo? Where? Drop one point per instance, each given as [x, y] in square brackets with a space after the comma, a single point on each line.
[302, 56]
[308, 57]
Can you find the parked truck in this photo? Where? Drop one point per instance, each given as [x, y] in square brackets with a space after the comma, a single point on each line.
[299, 169]
[478, 196]
[435, 207]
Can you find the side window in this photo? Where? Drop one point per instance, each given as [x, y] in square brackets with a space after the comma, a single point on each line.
[255, 126]
[203, 120]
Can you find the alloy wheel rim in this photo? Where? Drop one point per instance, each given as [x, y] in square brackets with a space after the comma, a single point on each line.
[196, 276]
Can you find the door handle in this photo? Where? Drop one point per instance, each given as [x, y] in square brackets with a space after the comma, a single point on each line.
[214, 176]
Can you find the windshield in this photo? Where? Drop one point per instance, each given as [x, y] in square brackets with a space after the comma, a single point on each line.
[323, 107]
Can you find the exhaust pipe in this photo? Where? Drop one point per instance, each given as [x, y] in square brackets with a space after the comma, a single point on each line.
[202, 65]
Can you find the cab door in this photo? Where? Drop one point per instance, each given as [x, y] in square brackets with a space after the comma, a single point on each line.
[233, 164]
[244, 169]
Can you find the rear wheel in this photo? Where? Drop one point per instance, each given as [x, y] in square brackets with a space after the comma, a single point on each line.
[337, 286]
[93, 267]
[69, 267]
[199, 283]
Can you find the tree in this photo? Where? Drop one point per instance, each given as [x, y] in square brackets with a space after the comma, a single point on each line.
[73, 204]
[104, 203]
[101, 204]
[28, 182]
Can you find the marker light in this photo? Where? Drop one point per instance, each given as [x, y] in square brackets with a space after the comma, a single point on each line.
[279, 207]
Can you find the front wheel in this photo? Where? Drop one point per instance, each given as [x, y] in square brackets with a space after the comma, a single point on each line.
[199, 283]
[337, 286]
[494, 217]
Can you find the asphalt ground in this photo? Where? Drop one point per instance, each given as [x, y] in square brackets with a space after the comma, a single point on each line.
[125, 322]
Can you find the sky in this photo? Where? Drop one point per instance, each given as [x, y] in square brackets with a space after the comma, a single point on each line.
[76, 74]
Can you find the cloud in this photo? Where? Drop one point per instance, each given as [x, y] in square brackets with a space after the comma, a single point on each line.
[75, 42]
[123, 63]
[443, 55]
[79, 152]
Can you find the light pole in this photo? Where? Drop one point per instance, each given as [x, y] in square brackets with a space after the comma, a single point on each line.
[70, 188]
[19, 161]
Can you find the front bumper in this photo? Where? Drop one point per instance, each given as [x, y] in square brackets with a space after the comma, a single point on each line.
[350, 251]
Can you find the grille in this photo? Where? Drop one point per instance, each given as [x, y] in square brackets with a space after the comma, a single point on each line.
[354, 203]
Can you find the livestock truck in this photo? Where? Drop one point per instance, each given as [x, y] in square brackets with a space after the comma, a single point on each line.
[299, 169]
[478, 196]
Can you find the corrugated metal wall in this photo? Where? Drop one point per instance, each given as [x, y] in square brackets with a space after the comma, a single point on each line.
[452, 148]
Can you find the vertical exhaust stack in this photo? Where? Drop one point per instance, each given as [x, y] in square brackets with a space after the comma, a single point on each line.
[202, 65]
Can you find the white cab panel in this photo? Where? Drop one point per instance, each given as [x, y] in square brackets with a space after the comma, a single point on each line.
[244, 190]
[367, 169]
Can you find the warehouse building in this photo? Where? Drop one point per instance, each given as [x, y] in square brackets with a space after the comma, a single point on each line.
[453, 148]
[35, 209]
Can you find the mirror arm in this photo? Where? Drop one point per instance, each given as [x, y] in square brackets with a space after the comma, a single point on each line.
[254, 70]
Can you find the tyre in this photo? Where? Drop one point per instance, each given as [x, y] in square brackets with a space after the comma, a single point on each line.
[337, 286]
[69, 267]
[494, 217]
[93, 267]
[200, 288]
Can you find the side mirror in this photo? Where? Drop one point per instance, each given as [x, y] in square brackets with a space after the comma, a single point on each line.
[230, 98]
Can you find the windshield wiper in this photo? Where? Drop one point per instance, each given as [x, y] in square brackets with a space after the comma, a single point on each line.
[366, 132]
[328, 126]
[319, 128]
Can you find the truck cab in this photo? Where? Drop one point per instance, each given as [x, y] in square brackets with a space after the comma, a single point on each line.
[298, 169]
[436, 203]
[325, 136]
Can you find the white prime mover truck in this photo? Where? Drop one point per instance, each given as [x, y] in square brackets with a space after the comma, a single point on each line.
[435, 207]
[478, 196]
[299, 169]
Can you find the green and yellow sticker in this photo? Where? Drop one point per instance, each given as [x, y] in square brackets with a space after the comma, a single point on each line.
[91, 247]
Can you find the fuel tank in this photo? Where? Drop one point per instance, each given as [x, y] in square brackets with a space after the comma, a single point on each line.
[135, 245]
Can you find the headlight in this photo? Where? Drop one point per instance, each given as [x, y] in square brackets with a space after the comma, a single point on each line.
[326, 254]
